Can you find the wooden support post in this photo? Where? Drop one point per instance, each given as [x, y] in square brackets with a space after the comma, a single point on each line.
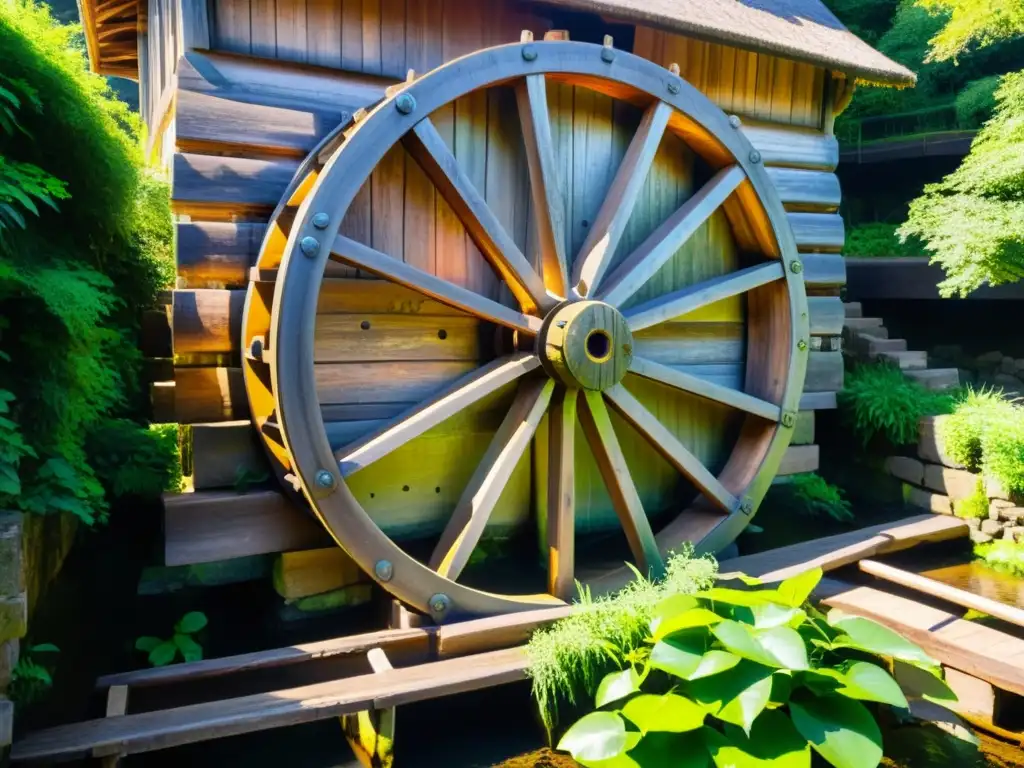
[371, 732]
[117, 705]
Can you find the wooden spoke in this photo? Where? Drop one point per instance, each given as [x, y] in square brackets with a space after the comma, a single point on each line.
[471, 514]
[562, 494]
[428, 148]
[695, 385]
[607, 229]
[382, 265]
[548, 203]
[641, 265]
[415, 422]
[611, 462]
[700, 295]
[668, 445]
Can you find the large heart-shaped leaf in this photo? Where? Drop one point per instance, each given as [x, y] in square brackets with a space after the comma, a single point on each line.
[773, 742]
[772, 615]
[747, 599]
[865, 635]
[685, 661]
[678, 750]
[669, 608]
[617, 685]
[786, 645]
[796, 590]
[920, 683]
[694, 617]
[713, 662]
[597, 736]
[736, 696]
[671, 713]
[867, 682]
[741, 640]
[841, 730]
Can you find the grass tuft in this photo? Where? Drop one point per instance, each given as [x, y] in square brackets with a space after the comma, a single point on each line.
[1003, 555]
[961, 431]
[569, 658]
[973, 506]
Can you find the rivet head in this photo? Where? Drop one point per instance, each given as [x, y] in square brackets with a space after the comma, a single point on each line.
[796, 266]
[746, 508]
[324, 479]
[801, 345]
[608, 54]
[405, 103]
[310, 246]
[673, 86]
[321, 220]
[734, 121]
[384, 570]
[256, 348]
[529, 53]
[788, 420]
[755, 156]
[440, 603]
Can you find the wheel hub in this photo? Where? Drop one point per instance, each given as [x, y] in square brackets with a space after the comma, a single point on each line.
[586, 344]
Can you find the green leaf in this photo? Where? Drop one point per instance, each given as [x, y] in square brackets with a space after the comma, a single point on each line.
[867, 682]
[163, 654]
[10, 483]
[741, 640]
[617, 685]
[687, 662]
[191, 623]
[190, 649]
[735, 696]
[795, 591]
[841, 730]
[870, 636]
[745, 598]
[713, 662]
[924, 684]
[670, 607]
[695, 617]
[784, 644]
[772, 615]
[44, 648]
[674, 750]
[597, 736]
[773, 743]
[671, 713]
[147, 644]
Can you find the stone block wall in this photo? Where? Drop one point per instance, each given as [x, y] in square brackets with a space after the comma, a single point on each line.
[932, 481]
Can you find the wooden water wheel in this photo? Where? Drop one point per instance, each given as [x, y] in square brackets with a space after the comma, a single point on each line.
[637, 370]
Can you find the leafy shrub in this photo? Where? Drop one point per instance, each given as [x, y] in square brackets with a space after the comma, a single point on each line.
[879, 401]
[738, 677]
[30, 679]
[976, 102]
[974, 506]
[813, 495]
[985, 433]
[1003, 555]
[160, 652]
[573, 654]
[85, 242]
[878, 239]
[134, 461]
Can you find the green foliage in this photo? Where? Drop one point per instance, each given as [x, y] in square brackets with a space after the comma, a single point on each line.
[972, 221]
[878, 239]
[134, 460]
[85, 244]
[985, 433]
[573, 654]
[878, 401]
[811, 495]
[759, 677]
[181, 644]
[30, 679]
[974, 506]
[1003, 555]
[976, 103]
[868, 19]
[969, 22]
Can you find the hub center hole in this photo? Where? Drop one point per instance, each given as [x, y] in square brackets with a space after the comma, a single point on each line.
[599, 346]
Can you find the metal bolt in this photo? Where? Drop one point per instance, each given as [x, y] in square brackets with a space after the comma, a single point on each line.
[256, 348]
[746, 508]
[324, 479]
[788, 419]
[310, 246]
[673, 86]
[405, 103]
[796, 266]
[321, 220]
[440, 603]
[529, 53]
[801, 345]
[608, 55]
[384, 570]
[755, 156]
[734, 121]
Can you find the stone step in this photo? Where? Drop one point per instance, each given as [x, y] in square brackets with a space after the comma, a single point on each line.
[906, 360]
[874, 345]
[864, 323]
[875, 332]
[853, 309]
[936, 378]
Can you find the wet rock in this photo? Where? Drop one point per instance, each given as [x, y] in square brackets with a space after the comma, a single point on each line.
[1013, 515]
[992, 527]
[1008, 365]
[990, 359]
[974, 523]
[980, 538]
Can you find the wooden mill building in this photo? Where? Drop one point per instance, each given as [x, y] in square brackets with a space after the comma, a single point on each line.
[458, 275]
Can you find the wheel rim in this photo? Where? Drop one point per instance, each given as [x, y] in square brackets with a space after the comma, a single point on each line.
[776, 343]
